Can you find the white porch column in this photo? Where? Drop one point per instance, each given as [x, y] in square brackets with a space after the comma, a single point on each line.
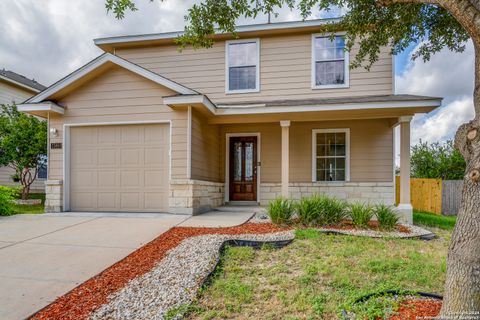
[405, 205]
[285, 156]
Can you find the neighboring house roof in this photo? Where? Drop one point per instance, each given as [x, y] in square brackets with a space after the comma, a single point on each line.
[19, 80]
[108, 43]
[100, 61]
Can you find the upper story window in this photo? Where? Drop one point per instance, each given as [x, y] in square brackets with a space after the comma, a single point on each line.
[242, 66]
[330, 63]
[331, 154]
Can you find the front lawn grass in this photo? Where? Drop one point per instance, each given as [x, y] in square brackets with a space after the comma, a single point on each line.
[318, 275]
[35, 209]
[434, 220]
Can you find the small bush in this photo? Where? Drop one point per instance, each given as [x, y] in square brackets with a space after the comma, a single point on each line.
[309, 210]
[361, 214]
[280, 210]
[386, 216]
[334, 210]
[7, 195]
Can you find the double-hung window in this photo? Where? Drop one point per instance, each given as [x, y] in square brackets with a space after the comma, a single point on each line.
[330, 62]
[242, 66]
[331, 154]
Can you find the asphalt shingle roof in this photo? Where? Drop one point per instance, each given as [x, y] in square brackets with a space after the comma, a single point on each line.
[21, 79]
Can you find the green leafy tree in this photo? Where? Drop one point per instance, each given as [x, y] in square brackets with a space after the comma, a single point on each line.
[435, 24]
[437, 161]
[23, 145]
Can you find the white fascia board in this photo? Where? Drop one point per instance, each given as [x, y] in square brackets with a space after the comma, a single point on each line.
[238, 29]
[328, 107]
[47, 106]
[18, 84]
[191, 99]
[99, 61]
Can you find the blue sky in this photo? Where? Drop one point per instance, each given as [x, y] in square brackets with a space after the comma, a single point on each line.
[48, 39]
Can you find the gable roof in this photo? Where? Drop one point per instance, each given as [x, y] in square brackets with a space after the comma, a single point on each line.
[21, 81]
[101, 61]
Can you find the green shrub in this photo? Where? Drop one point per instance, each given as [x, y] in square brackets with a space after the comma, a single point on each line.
[334, 210]
[310, 210]
[361, 214]
[386, 216]
[7, 195]
[280, 210]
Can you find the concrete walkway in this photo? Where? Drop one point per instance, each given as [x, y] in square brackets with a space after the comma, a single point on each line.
[45, 256]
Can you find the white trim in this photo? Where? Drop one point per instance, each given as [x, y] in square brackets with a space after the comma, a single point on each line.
[330, 107]
[190, 99]
[227, 161]
[189, 142]
[347, 153]
[47, 106]
[101, 60]
[257, 67]
[18, 84]
[285, 123]
[66, 150]
[346, 65]
[245, 28]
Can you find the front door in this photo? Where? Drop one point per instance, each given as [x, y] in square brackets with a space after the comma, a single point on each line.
[243, 169]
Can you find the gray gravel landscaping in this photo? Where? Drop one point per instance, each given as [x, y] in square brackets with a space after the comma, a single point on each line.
[175, 280]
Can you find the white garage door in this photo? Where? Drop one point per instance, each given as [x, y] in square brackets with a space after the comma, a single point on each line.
[119, 168]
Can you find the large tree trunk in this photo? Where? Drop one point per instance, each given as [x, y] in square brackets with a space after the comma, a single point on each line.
[462, 287]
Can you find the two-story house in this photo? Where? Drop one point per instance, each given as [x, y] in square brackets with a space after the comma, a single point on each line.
[15, 88]
[276, 112]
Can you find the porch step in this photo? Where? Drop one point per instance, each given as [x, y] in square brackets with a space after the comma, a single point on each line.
[239, 208]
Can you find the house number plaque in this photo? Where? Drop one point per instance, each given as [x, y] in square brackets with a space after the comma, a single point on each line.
[56, 145]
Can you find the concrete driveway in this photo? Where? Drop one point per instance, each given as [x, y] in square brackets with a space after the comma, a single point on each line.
[44, 256]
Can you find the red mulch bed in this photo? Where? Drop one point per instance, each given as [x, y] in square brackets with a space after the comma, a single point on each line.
[372, 225]
[418, 309]
[92, 294]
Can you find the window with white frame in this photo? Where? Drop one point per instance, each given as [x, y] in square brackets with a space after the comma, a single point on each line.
[242, 66]
[331, 154]
[329, 62]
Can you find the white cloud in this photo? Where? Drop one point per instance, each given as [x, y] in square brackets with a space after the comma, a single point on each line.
[448, 75]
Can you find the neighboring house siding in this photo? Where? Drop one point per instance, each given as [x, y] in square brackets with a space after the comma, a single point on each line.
[119, 95]
[371, 149]
[9, 94]
[205, 149]
[285, 70]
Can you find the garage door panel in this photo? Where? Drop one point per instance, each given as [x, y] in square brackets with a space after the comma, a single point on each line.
[131, 157]
[107, 157]
[106, 200]
[106, 134]
[107, 179]
[119, 168]
[131, 179]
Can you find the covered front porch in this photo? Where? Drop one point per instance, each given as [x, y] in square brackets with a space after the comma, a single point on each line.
[253, 158]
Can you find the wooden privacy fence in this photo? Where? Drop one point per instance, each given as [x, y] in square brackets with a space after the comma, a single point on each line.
[433, 195]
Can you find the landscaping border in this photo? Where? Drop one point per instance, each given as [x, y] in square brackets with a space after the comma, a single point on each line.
[369, 296]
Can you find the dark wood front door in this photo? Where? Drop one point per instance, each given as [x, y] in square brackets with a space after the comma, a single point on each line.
[243, 168]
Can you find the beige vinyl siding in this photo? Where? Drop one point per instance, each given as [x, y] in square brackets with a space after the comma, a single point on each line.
[10, 93]
[119, 95]
[205, 149]
[371, 149]
[285, 70]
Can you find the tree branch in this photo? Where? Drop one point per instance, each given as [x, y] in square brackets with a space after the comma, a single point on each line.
[466, 12]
